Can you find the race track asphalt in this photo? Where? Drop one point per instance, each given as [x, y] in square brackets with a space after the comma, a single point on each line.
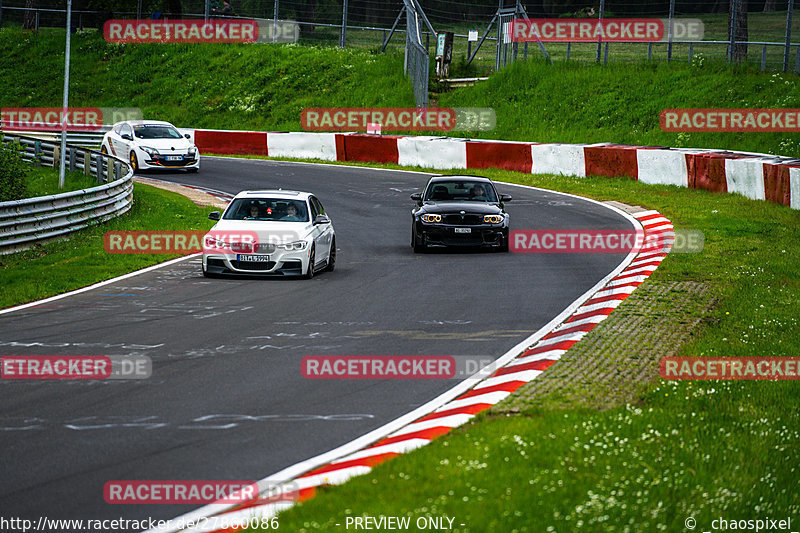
[226, 399]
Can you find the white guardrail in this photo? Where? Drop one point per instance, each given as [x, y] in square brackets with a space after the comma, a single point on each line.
[26, 222]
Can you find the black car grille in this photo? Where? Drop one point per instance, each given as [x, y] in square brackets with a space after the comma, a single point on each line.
[253, 265]
[467, 219]
[264, 248]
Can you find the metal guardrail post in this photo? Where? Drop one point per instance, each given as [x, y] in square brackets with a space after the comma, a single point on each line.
[56, 157]
[605, 55]
[37, 153]
[691, 51]
[764, 58]
[72, 162]
[87, 162]
[98, 162]
[569, 47]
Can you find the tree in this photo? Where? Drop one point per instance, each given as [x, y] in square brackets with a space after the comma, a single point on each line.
[769, 5]
[738, 28]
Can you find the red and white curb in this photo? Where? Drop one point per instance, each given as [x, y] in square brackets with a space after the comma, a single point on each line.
[520, 370]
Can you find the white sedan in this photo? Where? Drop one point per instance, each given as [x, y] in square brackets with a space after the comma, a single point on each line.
[151, 144]
[273, 232]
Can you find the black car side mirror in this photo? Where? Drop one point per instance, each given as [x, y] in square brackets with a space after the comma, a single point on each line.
[417, 197]
[187, 135]
[126, 136]
[321, 219]
[505, 197]
[214, 215]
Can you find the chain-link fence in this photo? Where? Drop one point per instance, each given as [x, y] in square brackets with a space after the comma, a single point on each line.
[768, 31]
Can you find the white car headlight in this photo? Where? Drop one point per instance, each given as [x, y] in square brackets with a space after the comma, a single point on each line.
[293, 246]
[149, 151]
[192, 150]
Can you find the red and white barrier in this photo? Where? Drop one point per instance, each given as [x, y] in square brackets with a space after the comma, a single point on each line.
[746, 177]
[760, 177]
[434, 152]
[662, 167]
[794, 187]
[566, 159]
[302, 145]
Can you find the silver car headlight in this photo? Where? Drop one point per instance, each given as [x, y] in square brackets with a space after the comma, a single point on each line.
[152, 152]
[293, 246]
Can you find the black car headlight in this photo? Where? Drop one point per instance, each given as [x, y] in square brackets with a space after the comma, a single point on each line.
[152, 152]
[493, 219]
[431, 218]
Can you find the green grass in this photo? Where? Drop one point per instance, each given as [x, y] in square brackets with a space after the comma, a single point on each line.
[226, 86]
[573, 103]
[42, 181]
[699, 449]
[265, 87]
[61, 266]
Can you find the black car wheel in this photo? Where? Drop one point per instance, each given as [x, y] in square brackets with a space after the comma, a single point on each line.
[416, 243]
[331, 257]
[310, 270]
[134, 163]
[504, 245]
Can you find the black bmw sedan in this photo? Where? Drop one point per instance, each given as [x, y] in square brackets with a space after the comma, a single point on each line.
[459, 211]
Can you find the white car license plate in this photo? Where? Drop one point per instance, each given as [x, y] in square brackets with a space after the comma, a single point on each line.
[174, 157]
[462, 230]
[253, 258]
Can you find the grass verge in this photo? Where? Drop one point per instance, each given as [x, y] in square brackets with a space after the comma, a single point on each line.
[43, 181]
[678, 450]
[65, 265]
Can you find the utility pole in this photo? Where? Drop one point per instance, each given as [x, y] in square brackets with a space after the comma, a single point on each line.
[343, 34]
[65, 103]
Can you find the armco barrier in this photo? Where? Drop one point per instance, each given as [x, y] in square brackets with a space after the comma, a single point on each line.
[756, 176]
[25, 222]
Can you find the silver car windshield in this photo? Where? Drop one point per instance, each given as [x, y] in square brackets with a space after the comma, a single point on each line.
[267, 209]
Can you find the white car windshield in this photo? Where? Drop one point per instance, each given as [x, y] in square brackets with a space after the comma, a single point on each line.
[156, 132]
[460, 191]
[267, 209]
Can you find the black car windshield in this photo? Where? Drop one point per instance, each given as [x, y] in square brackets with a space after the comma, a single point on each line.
[156, 132]
[460, 191]
[267, 209]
